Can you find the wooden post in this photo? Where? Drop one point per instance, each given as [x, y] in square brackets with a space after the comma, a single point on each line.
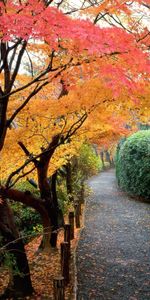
[67, 231]
[65, 261]
[71, 222]
[77, 215]
[53, 240]
[80, 211]
[82, 194]
[58, 286]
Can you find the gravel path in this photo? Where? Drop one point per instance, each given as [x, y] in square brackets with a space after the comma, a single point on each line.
[113, 255]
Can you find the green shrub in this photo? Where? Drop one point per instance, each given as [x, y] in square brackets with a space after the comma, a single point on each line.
[88, 162]
[26, 186]
[28, 221]
[133, 164]
[63, 197]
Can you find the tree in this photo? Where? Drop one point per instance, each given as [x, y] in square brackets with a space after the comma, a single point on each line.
[42, 34]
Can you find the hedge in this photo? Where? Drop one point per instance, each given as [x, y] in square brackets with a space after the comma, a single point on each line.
[133, 164]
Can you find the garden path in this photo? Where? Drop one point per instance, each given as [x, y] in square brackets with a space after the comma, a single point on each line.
[113, 254]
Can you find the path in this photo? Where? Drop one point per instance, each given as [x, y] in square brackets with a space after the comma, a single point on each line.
[113, 255]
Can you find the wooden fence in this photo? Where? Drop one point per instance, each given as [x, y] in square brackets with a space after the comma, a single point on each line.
[60, 282]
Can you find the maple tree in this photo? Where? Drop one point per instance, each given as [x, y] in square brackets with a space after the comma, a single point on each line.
[101, 124]
[33, 29]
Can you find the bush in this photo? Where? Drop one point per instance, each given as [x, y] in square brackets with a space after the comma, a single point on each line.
[28, 221]
[63, 198]
[89, 163]
[86, 164]
[133, 164]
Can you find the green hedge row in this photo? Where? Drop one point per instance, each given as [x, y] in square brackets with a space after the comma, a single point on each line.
[133, 164]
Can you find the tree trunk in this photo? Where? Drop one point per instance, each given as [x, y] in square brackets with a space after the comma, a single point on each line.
[36, 203]
[59, 219]
[50, 204]
[69, 181]
[3, 121]
[102, 159]
[107, 155]
[55, 200]
[48, 196]
[20, 284]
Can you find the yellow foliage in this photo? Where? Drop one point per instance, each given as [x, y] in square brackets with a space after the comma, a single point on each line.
[45, 116]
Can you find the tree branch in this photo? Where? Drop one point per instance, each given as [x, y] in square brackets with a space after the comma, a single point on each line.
[29, 200]
[16, 69]
[35, 80]
[33, 93]
[21, 176]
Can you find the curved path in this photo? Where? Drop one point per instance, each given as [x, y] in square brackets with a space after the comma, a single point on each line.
[113, 254]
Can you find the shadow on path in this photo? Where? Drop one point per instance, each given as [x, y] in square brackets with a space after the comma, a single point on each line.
[113, 254]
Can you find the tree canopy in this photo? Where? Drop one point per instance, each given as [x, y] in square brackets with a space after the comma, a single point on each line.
[67, 74]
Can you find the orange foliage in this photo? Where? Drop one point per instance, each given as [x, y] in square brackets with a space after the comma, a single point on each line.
[106, 123]
[103, 69]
